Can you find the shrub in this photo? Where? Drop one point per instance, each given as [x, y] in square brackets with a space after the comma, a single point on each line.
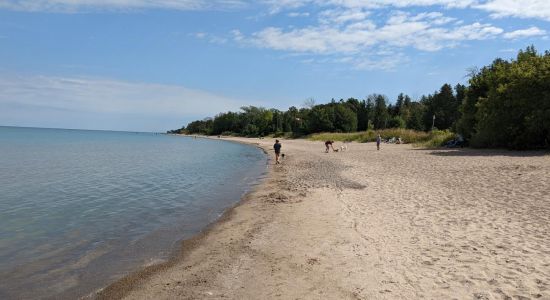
[406, 135]
[436, 138]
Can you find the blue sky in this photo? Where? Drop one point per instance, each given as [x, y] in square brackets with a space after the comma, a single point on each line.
[143, 65]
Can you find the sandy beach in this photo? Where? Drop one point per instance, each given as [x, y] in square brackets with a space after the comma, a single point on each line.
[400, 223]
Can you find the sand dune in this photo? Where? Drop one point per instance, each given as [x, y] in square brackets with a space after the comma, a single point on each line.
[399, 223]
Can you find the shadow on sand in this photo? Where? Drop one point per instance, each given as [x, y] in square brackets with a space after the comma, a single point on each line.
[485, 152]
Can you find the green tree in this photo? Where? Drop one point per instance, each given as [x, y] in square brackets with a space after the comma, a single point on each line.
[380, 111]
[516, 110]
[396, 122]
[320, 119]
[260, 117]
[200, 127]
[415, 120]
[345, 119]
[225, 122]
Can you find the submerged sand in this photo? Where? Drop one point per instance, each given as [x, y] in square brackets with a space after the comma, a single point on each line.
[399, 223]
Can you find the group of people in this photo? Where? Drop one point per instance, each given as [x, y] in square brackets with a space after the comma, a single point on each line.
[394, 140]
[328, 144]
[458, 141]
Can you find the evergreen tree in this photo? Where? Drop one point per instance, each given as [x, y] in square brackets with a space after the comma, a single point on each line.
[416, 117]
[380, 117]
[399, 104]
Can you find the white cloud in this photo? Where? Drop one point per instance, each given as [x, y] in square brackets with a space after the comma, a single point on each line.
[237, 35]
[312, 39]
[298, 14]
[422, 31]
[522, 33]
[109, 96]
[214, 39]
[201, 35]
[280, 5]
[341, 16]
[277, 6]
[436, 18]
[399, 3]
[380, 61]
[539, 9]
[353, 36]
[69, 6]
[96, 99]
[508, 50]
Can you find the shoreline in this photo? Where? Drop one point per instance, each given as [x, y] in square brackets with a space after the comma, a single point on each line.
[121, 287]
[400, 223]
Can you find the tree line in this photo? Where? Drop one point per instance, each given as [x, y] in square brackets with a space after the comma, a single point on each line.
[505, 104]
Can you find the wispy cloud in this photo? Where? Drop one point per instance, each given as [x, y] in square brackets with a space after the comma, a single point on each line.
[341, 16]
[347, 31]
[351, 33]
[355, 31]
[508, 50]
[539, 9]
[282, 5]
[214, 39]
[298, 14]
[523, 33]
[100, 98]
[71, 6]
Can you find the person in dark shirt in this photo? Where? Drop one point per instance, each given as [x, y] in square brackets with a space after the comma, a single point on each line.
[328, 144]
[277, 148]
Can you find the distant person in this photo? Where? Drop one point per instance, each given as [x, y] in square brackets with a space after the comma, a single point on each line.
[277, 148]
[460, 140]
[328, 145]
[457, 142]
[378, 141]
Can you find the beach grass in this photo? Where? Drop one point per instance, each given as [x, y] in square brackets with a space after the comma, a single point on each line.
[432, 139]
[437, 138]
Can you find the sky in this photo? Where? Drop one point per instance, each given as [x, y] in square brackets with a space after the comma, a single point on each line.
[145, 65]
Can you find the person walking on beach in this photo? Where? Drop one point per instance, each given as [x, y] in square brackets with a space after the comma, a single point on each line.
[378, 141]
[328, 144]
[277, 148]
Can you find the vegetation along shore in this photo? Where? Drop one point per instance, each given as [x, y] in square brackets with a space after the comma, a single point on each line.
[505, 105]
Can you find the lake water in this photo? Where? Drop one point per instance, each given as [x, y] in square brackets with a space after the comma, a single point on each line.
[79, 209]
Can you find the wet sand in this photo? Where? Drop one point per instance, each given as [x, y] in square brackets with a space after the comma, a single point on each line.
[399, 223]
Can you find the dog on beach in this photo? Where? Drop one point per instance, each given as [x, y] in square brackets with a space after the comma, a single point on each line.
[344, 148]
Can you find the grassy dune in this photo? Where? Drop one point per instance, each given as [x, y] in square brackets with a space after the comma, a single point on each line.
[431, 139]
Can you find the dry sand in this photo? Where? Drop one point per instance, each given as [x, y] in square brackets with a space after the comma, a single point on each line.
[399, 223]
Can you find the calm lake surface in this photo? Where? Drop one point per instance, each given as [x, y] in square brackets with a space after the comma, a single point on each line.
[79, 209]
